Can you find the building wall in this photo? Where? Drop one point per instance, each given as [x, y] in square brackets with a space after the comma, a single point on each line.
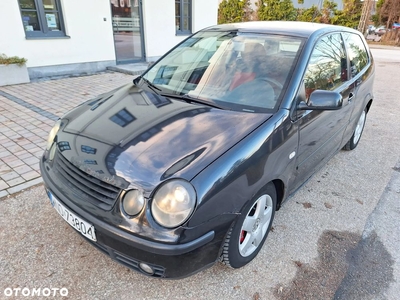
[89, 46]
[159, 24]
[205, 14]
[91, 38]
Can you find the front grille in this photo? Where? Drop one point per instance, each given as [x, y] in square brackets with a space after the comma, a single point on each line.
[89, 188]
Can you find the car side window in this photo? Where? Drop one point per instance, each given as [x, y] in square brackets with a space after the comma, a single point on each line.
[327, 68]
[358, 54]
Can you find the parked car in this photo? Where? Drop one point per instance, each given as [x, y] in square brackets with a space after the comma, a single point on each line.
[396, 26]
[381, 30]
[187, 165]
[371, 29]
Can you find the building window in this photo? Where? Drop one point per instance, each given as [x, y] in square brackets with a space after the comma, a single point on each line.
[123, 118]
[42, 18]
[183, 16]
[88, 149]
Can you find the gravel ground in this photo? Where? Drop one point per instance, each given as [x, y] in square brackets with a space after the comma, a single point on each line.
[326, 241]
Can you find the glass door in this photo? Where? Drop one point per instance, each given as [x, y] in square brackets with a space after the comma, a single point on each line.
[128, 33]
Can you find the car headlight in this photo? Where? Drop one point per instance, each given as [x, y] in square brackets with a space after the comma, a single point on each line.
[173, 203]
[52, 134]
[133, 202]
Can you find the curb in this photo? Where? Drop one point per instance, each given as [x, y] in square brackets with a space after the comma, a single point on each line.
[21, 187]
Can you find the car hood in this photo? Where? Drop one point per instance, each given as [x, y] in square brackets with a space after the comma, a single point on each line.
[134, 138]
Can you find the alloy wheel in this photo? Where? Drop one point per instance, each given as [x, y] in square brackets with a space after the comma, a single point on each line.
[255, 225]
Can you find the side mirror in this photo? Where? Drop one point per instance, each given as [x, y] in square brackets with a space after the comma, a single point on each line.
[322, 100]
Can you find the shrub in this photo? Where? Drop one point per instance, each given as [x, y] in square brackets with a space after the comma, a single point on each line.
[5, 60]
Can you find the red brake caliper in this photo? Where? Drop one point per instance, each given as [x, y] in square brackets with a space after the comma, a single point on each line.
[242, 235]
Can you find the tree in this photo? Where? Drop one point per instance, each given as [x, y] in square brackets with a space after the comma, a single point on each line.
[350, 15]
[309, 15]
[231, 11]
[269, 10]
[389, 11]
[327, 12]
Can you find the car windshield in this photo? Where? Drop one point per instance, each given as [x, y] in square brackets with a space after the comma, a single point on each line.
[244, 72]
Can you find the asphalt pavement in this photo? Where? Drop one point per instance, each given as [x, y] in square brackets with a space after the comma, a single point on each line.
[338, 237]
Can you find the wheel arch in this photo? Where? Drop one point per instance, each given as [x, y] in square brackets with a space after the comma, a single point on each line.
[368, 106]
[280, 192]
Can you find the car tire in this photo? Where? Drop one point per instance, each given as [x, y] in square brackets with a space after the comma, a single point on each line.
[247, 235]
[355, 138]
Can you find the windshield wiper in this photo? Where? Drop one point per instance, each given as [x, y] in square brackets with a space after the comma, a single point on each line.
[151, 85]
[190, 99]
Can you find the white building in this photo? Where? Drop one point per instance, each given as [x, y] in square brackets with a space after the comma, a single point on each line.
[61, 37]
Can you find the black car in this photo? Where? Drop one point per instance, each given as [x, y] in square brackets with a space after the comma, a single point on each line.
[187, 165]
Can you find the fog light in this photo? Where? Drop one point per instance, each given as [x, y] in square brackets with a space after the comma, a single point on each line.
[146, 268]
[133, 202]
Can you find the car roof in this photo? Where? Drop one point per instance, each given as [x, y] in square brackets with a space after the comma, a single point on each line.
[294, 28]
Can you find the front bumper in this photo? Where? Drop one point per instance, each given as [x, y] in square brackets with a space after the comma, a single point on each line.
[167, 260]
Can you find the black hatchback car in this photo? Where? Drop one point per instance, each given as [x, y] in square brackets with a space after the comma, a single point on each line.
[188, 164]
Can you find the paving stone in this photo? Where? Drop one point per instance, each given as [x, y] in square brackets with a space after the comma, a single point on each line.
[30, 175]
[15, 148]
[29, 127]
[3, 194]
[42, 145]
[35, 150]
[9, 158]
[23, 142]
[4, 153]
[30, 161]
[4, 168]
[22, 169]
[10, 175]
[15, 181]
[29, 146]
[38, 154]
[38, 138]
[5, 130]
[28, 135]
[25, 185]
[14, 136]
[25, 156]
[15, 163]
[3, 185]
[23, 131]
[22, 152]
[8, 144]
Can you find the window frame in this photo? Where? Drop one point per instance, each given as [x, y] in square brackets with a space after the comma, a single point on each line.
[310, 57]
[182, 17]
[348, 47]
[44, 33]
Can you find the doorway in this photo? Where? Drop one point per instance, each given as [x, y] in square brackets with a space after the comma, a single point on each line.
[128, 30]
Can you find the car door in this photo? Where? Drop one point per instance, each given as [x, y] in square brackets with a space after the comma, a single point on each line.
[321, 132]
[360, 69]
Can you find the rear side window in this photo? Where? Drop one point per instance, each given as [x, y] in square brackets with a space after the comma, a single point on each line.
[358, 54]
[327, 68]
